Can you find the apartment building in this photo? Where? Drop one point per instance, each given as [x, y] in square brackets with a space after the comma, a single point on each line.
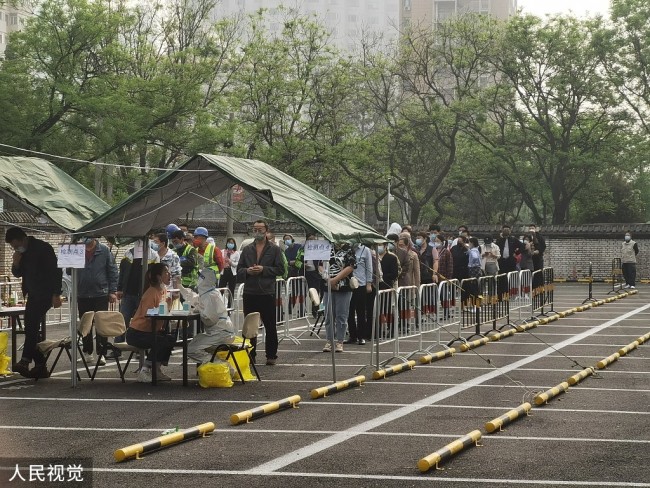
[429, 12]
[347, 20]
[12, 19]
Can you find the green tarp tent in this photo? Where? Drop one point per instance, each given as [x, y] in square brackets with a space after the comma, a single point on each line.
[47, 191]
[206, 176]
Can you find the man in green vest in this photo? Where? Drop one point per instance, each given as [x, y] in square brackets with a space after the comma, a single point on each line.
[210, 253]
[188, 256]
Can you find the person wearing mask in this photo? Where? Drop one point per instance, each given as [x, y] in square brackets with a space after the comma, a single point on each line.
[460, 258]
[291, 250]
[412, 277]
[428, 258]
[629, 251]
[209, 254]
[434, 230]
[170, 259]
[96, 289]
[490, 256]
[402, 256]
[539, 245]
[259, 266]
[473, 258]
[389, 266]
[139, 333]
[508, 247]
[230, 260]
[312, 275]
[341, 266]
[527, 251]
[188, 259]
[358, 326]
[35, 262]
[445, 260]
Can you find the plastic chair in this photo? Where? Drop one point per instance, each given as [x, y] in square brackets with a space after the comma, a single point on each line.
[83, 329]
[249, 331]
[108, 325]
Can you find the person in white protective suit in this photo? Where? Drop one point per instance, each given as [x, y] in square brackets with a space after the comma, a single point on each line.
[218, 328]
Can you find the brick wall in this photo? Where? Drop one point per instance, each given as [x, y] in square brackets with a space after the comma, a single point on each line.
[570, 257]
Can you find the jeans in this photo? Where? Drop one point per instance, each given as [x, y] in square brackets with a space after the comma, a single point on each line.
[128, 306]
[340, 310]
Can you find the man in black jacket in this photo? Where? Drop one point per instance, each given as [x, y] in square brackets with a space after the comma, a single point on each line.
[508, 245]
[35, 262]
[259, 266]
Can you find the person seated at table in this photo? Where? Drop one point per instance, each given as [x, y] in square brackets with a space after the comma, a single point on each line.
[218, 328]
[140, 334]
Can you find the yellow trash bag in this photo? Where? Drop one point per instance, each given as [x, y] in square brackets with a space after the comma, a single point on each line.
[5, 360]
[214, 375]
[242, 360]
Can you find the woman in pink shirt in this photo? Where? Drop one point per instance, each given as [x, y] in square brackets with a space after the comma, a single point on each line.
[139, 333]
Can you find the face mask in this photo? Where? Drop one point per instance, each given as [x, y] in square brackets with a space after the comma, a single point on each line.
[433, 235]
[21, 249]
[628, 238]
[438, 245]
[230, 245]
[391, 247]
[460, 232]
[531, 230]
[381, 249]
[418, 242]
[260, 236]
[505, 232]
[178, 245]
[288, 242]
[197, 243]
[155, 246]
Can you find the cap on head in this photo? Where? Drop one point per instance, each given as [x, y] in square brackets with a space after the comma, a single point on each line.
[201, 231]
[171, 228]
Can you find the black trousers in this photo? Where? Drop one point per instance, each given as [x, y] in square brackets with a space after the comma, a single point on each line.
[92, 304]
[35, 310]
[265, 305]
[629, 273]
[358, 326]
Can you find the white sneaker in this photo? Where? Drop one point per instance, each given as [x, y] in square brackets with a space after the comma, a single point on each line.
[144, 376]
[339, 347]
[626, 286]
[632, 287]
[327, 347]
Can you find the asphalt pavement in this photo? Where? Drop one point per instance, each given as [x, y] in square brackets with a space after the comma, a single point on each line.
[597, 434]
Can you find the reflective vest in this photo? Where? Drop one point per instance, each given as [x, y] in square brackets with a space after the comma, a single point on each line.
[208, 260]
[192, 279]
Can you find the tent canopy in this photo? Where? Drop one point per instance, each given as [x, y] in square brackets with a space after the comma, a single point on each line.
[41, 188]
[206, 176]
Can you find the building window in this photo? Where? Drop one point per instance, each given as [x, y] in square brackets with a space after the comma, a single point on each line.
[13, 19]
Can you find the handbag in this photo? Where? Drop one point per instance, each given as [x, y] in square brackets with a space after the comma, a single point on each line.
[354, 283]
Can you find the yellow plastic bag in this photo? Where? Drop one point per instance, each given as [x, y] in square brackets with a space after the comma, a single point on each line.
[214, 375]
[5, 360]
[242, 360]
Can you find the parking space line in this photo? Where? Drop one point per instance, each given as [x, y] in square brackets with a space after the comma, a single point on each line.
[345, 435]
[425, 479]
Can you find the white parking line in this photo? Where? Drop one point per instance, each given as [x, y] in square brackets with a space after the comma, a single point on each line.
[345, 435]
[425, 479]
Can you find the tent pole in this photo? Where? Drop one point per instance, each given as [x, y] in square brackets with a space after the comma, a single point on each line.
[72, 305]
[388, 207]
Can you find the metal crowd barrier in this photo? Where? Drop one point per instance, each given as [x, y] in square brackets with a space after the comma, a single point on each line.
[515, 298]
[470, 304]
[427, 317]
[297, 306]
[385, 327]
[617, 276]
[449, 311]
[549, 290]
[537, 303]
[282, 316]
[526, 295]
